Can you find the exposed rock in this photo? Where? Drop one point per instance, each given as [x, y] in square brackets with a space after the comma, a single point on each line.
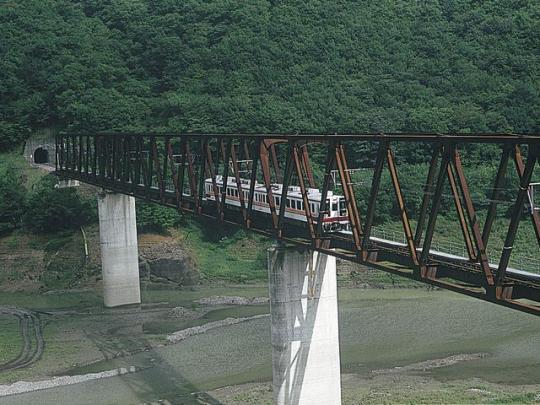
[167, 260]
[185, 313]
[479, 391]
[232, 300]
[431, 364]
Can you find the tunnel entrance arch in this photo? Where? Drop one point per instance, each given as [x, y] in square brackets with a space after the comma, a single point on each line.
[41, 156]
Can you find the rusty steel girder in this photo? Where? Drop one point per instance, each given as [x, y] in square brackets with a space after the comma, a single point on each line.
[158, 168]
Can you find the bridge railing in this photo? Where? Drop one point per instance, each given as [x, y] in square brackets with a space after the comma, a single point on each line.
[517, 262]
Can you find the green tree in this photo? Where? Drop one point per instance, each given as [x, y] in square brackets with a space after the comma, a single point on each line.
[12, 196]
[154, 217]
[50, 209]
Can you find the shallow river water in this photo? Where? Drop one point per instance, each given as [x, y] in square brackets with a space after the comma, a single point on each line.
[379, 329]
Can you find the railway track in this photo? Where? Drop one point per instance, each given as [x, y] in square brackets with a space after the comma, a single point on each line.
[31, 331]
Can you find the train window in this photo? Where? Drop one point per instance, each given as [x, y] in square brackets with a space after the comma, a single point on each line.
[276, 199]
[342, 207]
[334, 206]
[312, 207]
[235, 192]
[288, 203]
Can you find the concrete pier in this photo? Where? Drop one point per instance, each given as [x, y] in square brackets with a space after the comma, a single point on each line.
[304, 317]
[119, 251]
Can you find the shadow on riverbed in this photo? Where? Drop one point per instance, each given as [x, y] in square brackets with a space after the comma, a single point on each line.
[157, 380]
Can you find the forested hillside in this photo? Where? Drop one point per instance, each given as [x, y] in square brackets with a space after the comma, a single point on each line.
[268, 66]
[316, 66]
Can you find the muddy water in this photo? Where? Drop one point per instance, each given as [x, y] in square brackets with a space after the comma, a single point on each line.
[379, 329]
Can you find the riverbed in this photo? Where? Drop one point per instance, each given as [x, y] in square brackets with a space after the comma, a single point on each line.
[396, 345]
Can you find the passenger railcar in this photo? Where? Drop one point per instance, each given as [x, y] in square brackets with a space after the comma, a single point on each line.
[336, 219]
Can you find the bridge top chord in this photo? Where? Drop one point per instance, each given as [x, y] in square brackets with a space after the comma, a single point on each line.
[522, 138]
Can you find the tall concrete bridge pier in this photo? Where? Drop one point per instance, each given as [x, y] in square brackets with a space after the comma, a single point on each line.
[305, 334]
[119, 250]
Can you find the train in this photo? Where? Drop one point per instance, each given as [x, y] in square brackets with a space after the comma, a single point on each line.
[336, 219]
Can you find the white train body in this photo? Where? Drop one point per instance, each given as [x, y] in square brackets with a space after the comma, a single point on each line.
[335, 220]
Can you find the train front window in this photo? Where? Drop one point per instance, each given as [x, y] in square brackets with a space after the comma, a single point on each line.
[342, 207]
[334, 205]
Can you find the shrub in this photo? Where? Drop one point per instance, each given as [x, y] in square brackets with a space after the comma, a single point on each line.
[53, 210]
[154, 217]
[11, 199]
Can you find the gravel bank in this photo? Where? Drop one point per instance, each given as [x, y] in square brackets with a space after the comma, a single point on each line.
[197, 330]
[232, 300]
[26, 386]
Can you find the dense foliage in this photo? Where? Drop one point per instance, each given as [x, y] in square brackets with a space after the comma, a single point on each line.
[49, 209]
[316, 66]
[12, 198]
[153, 217]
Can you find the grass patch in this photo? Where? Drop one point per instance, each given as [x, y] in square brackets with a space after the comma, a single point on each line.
[65, 260]
[30, 175]
[55, 244]
[10, 338]
[221, 253]
[75, 300]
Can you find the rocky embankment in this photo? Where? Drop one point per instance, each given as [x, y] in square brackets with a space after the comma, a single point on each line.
[162, 259]
[232, 300]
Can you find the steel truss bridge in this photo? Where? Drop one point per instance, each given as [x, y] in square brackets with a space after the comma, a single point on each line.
[171, 170]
